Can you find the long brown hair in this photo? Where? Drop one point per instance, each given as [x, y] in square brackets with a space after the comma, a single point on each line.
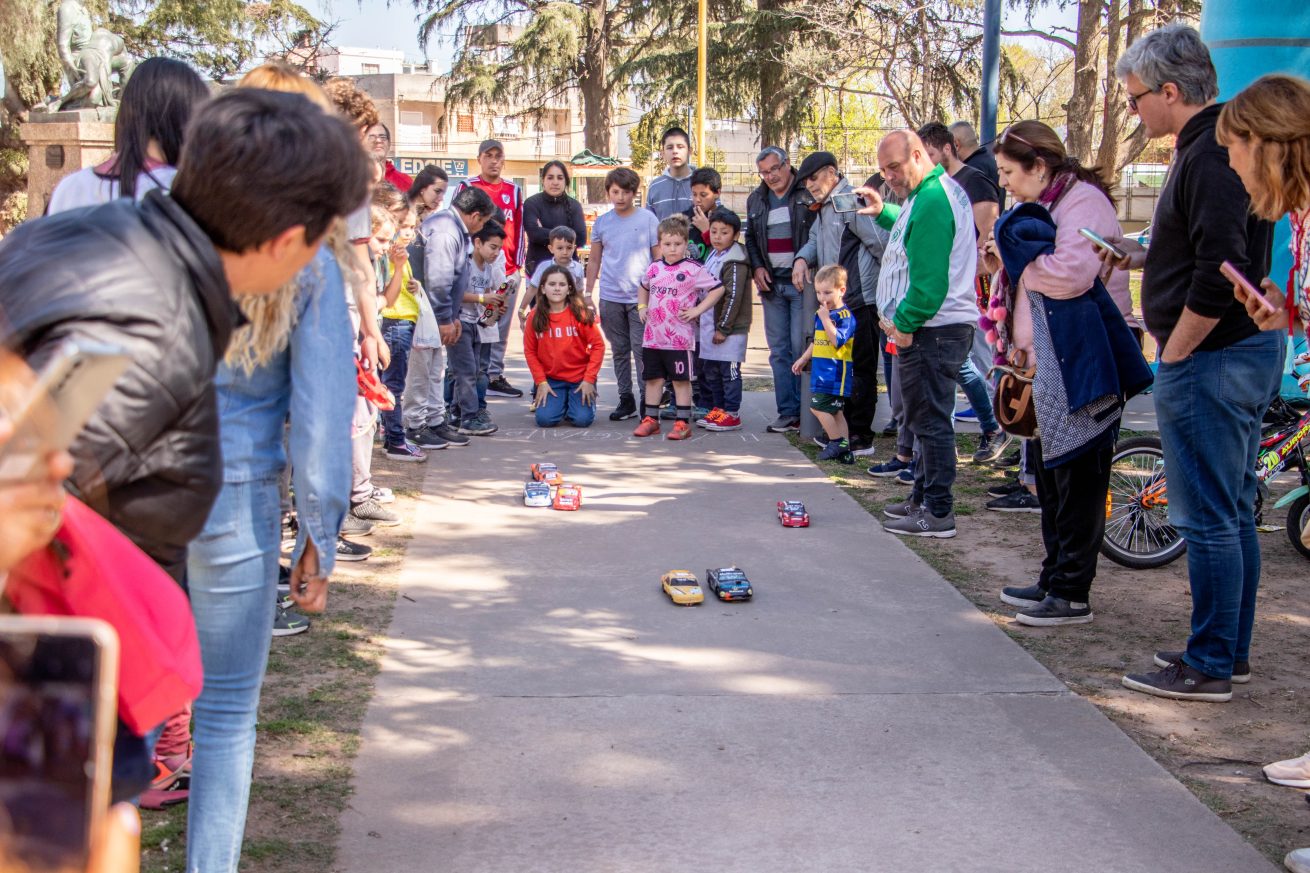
[1027, 142]
[1273, 115]
[541, 311]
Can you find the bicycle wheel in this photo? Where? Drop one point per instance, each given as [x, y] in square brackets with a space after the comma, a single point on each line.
[1138, 534]
[1297, 516]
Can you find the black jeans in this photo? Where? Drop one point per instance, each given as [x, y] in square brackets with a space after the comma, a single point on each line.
[1073, 519]
[863, 405]
[928, 367]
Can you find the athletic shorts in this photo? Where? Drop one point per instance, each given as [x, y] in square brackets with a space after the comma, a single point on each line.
[674, 365]
[829, 403]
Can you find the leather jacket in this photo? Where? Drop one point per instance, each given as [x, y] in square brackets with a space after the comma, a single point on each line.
[757, 223]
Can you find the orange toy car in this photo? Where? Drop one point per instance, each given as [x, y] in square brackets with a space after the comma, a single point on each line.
[568, 496]
[547, 472]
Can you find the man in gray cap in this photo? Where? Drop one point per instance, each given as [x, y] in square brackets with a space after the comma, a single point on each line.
[508, 200]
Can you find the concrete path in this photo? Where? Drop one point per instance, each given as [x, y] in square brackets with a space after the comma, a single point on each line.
[543, 707]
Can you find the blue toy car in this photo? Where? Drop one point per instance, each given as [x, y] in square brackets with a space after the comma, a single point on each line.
[536, 494]
[729, 583]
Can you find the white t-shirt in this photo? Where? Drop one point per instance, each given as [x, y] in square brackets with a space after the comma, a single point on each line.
[626, 243]
[575, 268]
[85, 188]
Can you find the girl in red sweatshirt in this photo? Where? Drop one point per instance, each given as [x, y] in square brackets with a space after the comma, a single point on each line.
[564, 349]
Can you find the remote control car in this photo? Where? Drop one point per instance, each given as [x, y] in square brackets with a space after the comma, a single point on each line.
[792, 514]
[536, 494]
[568, 496]
[683, 587]
[547, 472]
[729, 583]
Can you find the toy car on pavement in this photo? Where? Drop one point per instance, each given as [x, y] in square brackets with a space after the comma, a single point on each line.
[568, 496]
[683, 587]
[536, 494]
[792, 514]
[729, 583]
[548, 473]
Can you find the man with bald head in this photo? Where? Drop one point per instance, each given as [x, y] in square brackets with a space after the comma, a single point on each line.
[974, 155]
[926, 302]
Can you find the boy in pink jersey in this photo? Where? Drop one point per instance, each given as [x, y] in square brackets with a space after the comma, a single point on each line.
[667, 305]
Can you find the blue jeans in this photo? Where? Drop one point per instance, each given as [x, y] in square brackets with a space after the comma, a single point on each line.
[399, 337]
[927, 370]
[979, 392]
[565, 403]
[723, 382]
[466, 388]
[1209, 408]
[784, 330]
[232, 570]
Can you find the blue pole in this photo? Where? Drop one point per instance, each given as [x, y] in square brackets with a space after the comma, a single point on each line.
[991, 71]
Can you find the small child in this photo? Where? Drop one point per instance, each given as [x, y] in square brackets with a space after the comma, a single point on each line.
[705, 187]
[830, 372]
[564, 349]
[399, 320]
[723, 329]
[465, 382]
[667, 307]
[563, 243]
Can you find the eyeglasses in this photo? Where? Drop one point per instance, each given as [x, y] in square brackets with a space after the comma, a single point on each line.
[769, 171]
[377, 137]
[1133, 98]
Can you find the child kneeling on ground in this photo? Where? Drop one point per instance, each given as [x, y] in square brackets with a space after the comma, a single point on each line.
[564, 349]
[830, 356]
[724, 328]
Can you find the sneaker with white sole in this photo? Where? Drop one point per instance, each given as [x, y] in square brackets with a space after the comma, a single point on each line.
[406, 452]
[888, 469]
[922, 524]
[966, 415]
[475, 426]
[500, 387]
[426, 438]
[707, 418]
[1241, 669]
[862, 448]
[901, 508]
[355, 527]
[783, 424]
[289, 623]
[1180, 682]
[991, 446]
[352, 551]
[1055, 611]
[1022, 500]
[726, 421]
[372, 511]
[1024, 598]
[382, 495]
[1298, 861]
[446, 431]
[1294, 772]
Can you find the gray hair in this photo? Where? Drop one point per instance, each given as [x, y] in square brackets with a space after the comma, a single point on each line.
[1173, 53]
[964, 132]
[776, 151]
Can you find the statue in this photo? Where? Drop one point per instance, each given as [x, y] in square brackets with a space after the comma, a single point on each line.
[90, 57]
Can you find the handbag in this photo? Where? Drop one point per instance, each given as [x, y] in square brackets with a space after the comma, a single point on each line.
[91, 570]
[1013, 400]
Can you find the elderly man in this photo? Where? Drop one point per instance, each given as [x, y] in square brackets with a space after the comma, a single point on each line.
[926, 298]
[1218, 372]
[778, 225]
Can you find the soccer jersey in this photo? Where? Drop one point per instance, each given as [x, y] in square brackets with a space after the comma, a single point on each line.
[673, 288]
[830, 363]
[506, 197]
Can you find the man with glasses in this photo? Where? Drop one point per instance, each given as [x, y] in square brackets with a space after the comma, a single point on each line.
[778, 219]
[378, 141]
[1218, 372]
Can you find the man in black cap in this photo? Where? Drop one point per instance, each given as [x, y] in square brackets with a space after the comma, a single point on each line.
[856, 242]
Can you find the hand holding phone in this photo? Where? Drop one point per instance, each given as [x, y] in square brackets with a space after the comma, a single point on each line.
[845, 202]
[1102, 242]
[1243, 289]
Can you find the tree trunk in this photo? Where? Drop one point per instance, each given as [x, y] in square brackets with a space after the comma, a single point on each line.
[773, 101]
[596, 94]
[1086, 82]
[1114, 106]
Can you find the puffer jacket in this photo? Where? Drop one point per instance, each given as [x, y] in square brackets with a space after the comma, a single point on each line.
[147, 280]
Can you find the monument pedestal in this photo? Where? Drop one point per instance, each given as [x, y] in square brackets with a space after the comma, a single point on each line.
[59, 143]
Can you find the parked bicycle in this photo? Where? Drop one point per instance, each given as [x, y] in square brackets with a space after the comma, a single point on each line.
[1137, 529]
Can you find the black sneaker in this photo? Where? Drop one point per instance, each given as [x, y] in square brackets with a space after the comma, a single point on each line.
[1181, 682]
[1023, 597]
[426, 438]
[1006, 489]
[1053, 611]
[891, 430]
[626, 409]
[406, 452]
[351, 526]
[501, 388]
[1016, 501]
[990, 446]
[1010, 460]
[453, 438]
[1241, 669]
[667, 398]
[348, 551]
[289, 623]
[475, 426]
[784, 423]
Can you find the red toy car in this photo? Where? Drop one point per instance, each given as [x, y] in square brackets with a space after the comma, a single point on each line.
[568, 496]
[547, 472]
[792, 514]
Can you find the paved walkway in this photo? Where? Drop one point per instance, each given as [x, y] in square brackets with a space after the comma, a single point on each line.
[543, 707]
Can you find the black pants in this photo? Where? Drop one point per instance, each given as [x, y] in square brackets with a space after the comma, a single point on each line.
[1073, 519]
[863, 405]
[927, 369]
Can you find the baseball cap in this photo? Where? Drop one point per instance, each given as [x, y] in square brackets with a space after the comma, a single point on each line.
[489, 144]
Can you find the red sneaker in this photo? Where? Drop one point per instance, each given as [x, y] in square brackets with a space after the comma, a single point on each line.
[681, 430]
[725, 421]
[709, 418]
[649, 427]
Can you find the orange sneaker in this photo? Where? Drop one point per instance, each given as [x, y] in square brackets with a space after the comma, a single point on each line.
[710, 417]
[681, 430]
[649, 427]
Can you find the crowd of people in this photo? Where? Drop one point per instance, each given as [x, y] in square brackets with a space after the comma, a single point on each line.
[281, 305]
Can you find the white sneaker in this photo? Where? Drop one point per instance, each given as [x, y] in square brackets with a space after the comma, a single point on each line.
[1294, 772]
[1298, 861]
[383, 495]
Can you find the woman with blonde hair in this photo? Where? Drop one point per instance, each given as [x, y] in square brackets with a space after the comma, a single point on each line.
[1266, 129]
[292, 358]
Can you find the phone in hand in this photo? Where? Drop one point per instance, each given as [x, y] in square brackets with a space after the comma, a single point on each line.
[58, 708]
[846, 202]
[1101, 241]
[1234, 275]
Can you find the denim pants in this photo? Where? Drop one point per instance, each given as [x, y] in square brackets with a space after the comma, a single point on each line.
[979, 391]
[784, 330]
[905, 442]
[399, 336]
[723, 382]
[565, 403]
[463, 373]
[623, 330]
[1209, 407]
[233, 577]
[863, 405]
[928, 368]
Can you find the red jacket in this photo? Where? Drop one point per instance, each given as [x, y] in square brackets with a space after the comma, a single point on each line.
[399, 179]
[569, 350]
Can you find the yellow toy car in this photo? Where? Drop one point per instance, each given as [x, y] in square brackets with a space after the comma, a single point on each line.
[683, 587]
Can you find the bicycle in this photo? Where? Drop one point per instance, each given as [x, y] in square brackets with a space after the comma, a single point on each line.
[1138, 534]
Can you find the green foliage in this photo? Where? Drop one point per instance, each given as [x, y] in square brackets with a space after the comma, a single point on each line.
[27, 44]
[644, 137]
[848, 125]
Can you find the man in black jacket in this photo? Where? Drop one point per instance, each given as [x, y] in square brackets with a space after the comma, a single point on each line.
[778, 216]
[1218, 372]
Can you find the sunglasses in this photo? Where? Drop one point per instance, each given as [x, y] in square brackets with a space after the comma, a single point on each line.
[1009, 134]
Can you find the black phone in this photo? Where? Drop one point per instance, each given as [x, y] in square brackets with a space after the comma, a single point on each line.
[58, 708]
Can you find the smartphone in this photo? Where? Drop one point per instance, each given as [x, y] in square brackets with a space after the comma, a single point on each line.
[58, 709]
[49, 415]
[1101, 241]
[1234, 275]
[847, 202]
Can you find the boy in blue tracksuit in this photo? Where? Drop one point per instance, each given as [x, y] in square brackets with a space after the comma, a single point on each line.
[830, 356]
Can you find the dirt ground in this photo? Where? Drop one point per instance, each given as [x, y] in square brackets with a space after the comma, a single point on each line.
[1217, 750]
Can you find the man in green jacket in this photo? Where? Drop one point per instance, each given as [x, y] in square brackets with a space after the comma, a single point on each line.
[926, 302]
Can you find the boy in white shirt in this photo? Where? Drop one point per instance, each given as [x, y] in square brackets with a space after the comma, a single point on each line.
[563, 243]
